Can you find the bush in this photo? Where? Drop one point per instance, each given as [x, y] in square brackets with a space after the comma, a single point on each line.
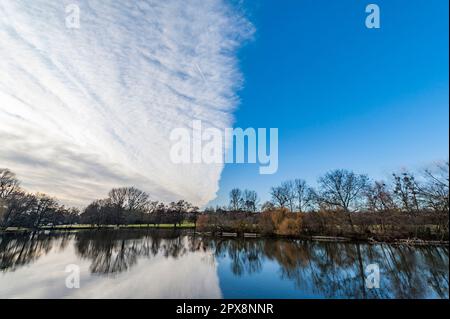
[290, 226]
[266, 224]
[203, 223]
[280, 222]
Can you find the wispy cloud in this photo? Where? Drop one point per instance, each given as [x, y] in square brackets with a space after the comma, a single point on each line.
[84, 110]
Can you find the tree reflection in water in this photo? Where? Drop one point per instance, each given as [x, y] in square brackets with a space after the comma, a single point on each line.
[338, 269]
[18, 250]
[116, 251]
[331, 270]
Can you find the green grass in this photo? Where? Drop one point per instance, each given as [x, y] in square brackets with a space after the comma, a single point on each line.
[183, 225]
[14, 229]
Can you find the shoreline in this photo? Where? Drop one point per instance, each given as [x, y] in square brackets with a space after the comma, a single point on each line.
[342, 239]
[235, 235]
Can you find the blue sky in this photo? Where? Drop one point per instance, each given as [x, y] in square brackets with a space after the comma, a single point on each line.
[96, 101]
[342, 95]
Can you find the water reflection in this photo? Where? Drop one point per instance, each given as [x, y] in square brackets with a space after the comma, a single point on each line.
[20, 250]
[290, 268]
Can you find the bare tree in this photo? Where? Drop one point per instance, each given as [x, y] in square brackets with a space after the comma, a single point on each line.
[379, 197]
[343, 189]
[136, 200]
[435, 190]
[284, 195]
[280, 195]
[406, 191]
[250, 199]
[236, 200]
[128, 200]
[44, 206]
[303, 195]
[117, 198]
[18, 210]
[8, 183]
[289, 190]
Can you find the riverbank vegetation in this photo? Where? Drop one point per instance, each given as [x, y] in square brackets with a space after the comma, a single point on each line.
[342, 204]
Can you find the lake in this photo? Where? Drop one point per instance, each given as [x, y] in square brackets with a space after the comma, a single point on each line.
[176, 264]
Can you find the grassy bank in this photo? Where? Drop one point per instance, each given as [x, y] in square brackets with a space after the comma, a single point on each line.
[93, 227]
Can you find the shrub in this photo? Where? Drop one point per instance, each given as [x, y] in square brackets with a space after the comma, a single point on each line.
[266, 224]
[281, 222]
[290, 226]
[278, 216]
[203, 223]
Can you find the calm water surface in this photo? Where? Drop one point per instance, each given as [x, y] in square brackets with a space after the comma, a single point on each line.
[172, 264]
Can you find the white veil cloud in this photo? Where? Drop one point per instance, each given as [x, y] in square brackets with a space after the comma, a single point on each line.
[84, 110]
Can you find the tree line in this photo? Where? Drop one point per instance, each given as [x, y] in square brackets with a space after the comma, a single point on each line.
[129, 205]
[19, 208]
[350, 192]
[122, 206]
[342, 202]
